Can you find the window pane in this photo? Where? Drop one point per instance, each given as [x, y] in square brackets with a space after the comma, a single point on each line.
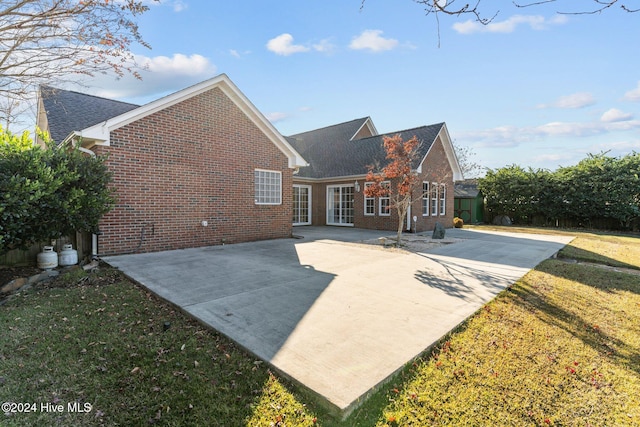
[268, 187]
[425, 198]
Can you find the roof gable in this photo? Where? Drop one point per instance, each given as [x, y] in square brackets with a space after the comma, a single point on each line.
[314, 140]
[99, 132]
[329, 158]
[68, 111]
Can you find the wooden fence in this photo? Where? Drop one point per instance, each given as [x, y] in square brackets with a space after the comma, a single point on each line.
[20, 258]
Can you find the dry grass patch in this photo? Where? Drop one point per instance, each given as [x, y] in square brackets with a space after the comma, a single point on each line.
[561, 347]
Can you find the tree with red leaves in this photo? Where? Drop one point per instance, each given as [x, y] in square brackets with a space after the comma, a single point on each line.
[397, 180]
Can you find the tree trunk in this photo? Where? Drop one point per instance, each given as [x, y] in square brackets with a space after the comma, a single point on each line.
[402, 208]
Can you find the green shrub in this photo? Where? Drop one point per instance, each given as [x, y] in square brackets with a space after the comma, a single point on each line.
[48, 192]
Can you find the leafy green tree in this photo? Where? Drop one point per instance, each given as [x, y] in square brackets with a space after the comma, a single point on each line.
[47, 193]
[603, 187]
[598, 187]
[14, 143]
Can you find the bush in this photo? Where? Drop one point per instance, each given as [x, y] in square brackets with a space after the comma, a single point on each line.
[47, 193]
[598, 188]
[458, 222]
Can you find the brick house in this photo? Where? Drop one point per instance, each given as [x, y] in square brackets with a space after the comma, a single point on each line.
[199, 167]
[330, 190]
[204, 167]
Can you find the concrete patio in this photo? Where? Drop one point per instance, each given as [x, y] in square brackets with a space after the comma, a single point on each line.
[336, 316]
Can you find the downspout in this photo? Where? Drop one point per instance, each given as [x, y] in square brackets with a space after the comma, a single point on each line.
[94, 237]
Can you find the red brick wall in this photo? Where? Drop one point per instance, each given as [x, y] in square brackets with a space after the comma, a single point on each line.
[187, 163]
[436, 168]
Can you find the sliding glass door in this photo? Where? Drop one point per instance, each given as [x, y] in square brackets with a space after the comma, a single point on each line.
[340, 205]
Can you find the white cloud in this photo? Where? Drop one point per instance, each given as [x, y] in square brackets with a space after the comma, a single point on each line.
[372, 40]
[552, 157]
[615, 115]
[573, 101]
[179, 6]
[161, 75]
[535, 22]
[616, 148]
[324, 46]
[633, 94]
[512, 136]
[277, 116]
[283, 45]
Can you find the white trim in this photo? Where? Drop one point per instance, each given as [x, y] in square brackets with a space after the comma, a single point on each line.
[449, 152]
[433, 207]
[342, 224]
[368, 184]
[426, 195]
[369, 124]
[388, 198]
[279, 174]
[309, 200]
[442, 195]
[101, 132]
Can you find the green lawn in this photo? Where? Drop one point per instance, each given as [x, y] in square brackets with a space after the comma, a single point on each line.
[561, 347]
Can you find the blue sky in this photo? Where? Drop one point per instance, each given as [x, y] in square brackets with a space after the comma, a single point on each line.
[534, 88]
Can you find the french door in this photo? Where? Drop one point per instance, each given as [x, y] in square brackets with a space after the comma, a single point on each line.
[301, 204]
[340, 205]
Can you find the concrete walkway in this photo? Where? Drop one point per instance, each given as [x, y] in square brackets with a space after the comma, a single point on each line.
[335, 316]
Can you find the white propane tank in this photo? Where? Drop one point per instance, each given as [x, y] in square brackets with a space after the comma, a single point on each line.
[68, 256]
[48, 258]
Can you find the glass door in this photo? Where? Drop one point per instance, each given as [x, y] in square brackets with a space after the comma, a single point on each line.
[301, 205]
[340, 209]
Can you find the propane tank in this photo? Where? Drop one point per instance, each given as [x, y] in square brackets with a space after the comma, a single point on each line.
[48, 258]
[68, 256]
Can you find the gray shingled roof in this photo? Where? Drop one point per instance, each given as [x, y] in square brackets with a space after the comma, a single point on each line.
[466, 189]
[330, 153]
[69, 111]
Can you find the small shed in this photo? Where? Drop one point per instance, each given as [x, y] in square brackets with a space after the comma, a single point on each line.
[468, 202]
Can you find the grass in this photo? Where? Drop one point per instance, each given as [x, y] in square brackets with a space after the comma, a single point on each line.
[561, 347]
[135, 359]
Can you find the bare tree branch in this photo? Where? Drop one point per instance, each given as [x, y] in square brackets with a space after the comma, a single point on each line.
[50, 41]
[600, 6]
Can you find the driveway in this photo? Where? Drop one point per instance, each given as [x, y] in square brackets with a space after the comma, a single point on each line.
[337, 316]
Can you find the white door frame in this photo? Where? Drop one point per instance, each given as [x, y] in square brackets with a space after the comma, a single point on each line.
[308, 187]
[341, 210]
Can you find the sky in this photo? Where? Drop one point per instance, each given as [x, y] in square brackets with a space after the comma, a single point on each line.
[534, 88]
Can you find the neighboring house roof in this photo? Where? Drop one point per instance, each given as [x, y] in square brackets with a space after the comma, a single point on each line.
[99, 133]
[467, 189]
[68, 111]
[331, 151]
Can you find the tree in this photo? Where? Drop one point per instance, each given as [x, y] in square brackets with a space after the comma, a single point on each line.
[14, 143]
[45, 41]
[397, 180]
[468, 167]
[598, 187]
[462, 8]
[48, 193]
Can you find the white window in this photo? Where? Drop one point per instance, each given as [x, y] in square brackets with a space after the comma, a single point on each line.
[434, 198]
[369, 202]
[425, 199]
[384, 207]
[443, 199]
[268, 187]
